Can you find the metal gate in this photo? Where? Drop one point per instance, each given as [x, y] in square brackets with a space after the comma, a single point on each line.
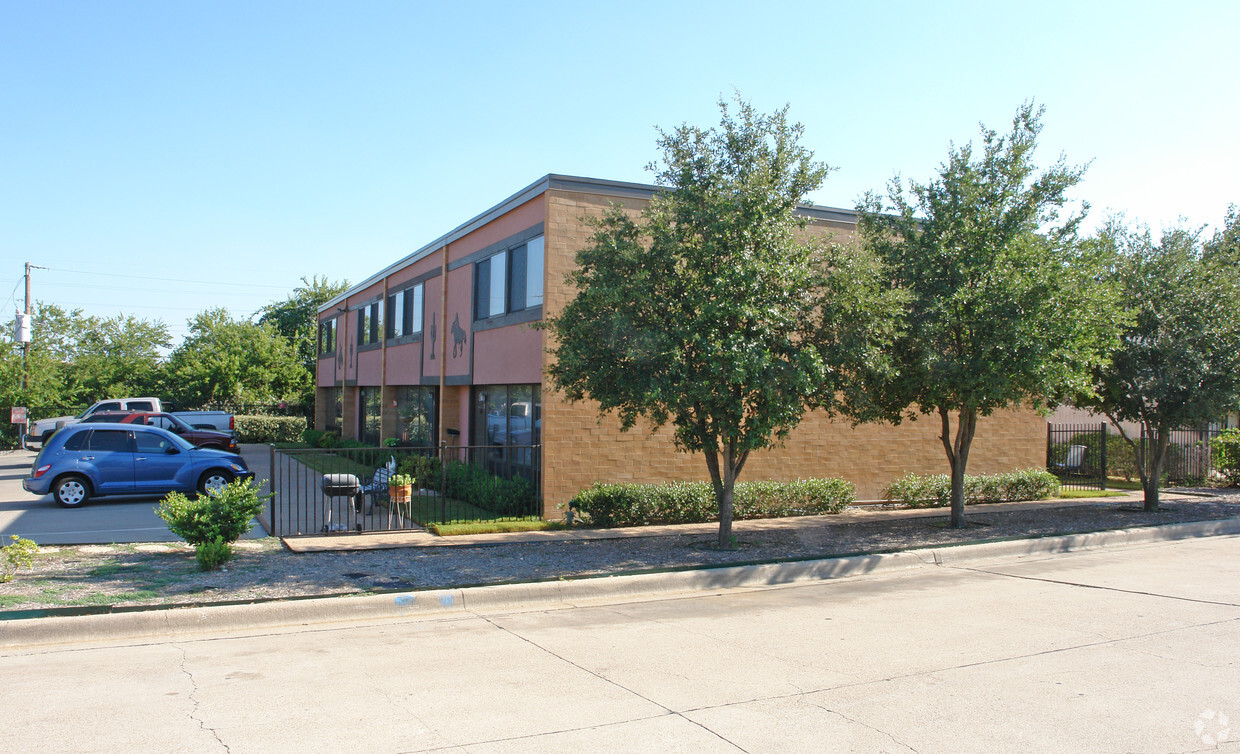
[340, 490]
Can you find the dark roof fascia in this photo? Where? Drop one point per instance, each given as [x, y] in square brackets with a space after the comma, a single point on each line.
[552, 181]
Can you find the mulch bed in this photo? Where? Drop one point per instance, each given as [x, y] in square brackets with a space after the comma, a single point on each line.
[94, 577]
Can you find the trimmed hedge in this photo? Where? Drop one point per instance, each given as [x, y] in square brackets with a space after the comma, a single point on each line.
[936, 490]
[694, 502]
[268, 429]
[1226, 450]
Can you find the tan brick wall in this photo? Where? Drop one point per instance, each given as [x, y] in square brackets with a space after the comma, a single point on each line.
[453, 398]
[387, 413]
[579, 449]
[322, 408]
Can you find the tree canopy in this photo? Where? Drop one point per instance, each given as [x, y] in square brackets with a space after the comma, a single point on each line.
[707, 310]
[296, 317]
[1004, 308]
[1177, 362]
[232, 361]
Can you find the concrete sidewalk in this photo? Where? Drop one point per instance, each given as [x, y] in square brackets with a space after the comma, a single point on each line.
[561, 593]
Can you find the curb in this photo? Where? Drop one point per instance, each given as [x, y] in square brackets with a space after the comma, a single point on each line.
[34, 632]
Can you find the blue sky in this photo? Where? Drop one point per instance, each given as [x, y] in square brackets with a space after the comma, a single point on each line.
[161, 158]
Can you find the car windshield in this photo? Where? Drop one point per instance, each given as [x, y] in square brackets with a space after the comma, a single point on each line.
[176, 421]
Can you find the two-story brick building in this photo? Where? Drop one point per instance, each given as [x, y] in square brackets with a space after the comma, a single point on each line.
[438, 347]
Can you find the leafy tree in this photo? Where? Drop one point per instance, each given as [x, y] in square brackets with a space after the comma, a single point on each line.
[1003, 310]
[1177, 363]
[296, 318]
[117, 356]
[705, 310]
[225, 361]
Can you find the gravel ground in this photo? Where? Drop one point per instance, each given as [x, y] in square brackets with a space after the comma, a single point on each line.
[92, 577]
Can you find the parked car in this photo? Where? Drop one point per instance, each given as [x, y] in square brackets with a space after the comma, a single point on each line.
[84, 461]
[220, 421]
[201, 438]
[42, 430]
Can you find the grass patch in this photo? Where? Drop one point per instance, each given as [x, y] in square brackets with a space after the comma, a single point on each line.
[116, 569]
[492, 527]
[1071, 494]
[330, 463]
[109, 599]
[12, 599]
[1124, 484]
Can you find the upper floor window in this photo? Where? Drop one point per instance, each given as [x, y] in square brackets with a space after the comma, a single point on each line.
[509, 281]
[327, 336]
[404, 312]
[368, 324]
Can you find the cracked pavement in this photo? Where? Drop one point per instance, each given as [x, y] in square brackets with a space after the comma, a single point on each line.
[1116, 649]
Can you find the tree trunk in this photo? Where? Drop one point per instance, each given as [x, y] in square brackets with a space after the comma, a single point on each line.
[958, 456]
[723, 474]
[1149, 482]
[725, 510]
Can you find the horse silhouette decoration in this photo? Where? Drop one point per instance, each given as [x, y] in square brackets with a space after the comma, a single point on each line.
[458, 337]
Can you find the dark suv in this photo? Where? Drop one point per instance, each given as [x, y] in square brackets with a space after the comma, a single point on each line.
[201, 438]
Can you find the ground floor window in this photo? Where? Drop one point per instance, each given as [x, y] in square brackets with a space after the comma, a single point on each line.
[506, 415]
[370, 419]
[416, 413]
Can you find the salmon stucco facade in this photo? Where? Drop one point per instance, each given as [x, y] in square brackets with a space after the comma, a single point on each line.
[438, 348]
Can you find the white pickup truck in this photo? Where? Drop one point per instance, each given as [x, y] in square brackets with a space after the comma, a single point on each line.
[42, 430]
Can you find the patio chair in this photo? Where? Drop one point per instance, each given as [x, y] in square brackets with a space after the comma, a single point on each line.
[377, 489]
[1074, 461]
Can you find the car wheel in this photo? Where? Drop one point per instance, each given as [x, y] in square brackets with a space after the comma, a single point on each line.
[71, 491]
[214, 480]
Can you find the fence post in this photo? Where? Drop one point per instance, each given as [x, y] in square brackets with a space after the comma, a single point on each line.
[271, 474]
[443, 485]
[1050, 441]
[1103, 429]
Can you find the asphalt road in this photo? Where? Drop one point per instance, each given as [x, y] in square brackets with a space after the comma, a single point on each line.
[1133, 649]
[100, 521]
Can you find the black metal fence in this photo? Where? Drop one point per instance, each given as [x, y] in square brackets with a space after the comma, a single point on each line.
[1084, 455]
[321, 491]
[1077, 455]
[1188, 460]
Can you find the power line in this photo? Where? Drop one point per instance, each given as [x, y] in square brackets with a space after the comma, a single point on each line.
[168, 280]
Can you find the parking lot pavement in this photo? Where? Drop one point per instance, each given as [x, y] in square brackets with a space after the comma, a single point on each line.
[101, 521]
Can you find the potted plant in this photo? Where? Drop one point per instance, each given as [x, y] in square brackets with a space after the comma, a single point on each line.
[400, 488]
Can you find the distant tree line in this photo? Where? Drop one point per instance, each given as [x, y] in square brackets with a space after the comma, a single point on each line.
[227, 360]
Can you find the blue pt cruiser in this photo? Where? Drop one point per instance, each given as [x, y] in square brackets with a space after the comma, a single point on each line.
[83, 461]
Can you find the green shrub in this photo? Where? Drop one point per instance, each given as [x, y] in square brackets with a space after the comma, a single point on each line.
[317, 438]
[268, 429]
[1225, 449]
[17, 555]
[226, 516]
[211, 555]
[935, 490]
[424, 470]
[694, 502]
[473, 484]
